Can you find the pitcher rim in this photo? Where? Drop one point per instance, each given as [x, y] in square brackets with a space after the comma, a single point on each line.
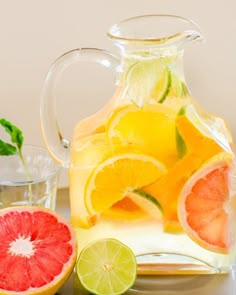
[195, 32]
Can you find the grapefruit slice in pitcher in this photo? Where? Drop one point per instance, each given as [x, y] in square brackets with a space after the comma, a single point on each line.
[37, 250]
[205, 207]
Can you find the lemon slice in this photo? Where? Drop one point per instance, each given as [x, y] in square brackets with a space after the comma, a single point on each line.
[106, 267]
[151, 127]
[117, 177]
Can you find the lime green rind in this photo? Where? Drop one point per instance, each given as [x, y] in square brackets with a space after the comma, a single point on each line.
[180, 143]
[182, 111]
[167, 89]
[106, 267]
[149, 198]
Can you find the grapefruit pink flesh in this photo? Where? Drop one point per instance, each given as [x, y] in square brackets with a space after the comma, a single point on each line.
[37, 250]
[202, 207]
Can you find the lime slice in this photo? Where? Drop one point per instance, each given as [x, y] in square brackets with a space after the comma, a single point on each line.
[149, 198]
[180, 143]
[162, 88]
[106, 267]
[148, 79]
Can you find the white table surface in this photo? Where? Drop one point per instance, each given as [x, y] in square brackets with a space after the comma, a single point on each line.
[158, 285]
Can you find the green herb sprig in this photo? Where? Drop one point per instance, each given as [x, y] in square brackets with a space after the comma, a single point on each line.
[15, 147]
[7, 149]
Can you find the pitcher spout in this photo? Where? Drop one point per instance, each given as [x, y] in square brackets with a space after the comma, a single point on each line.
[155, 31]
[188, 37]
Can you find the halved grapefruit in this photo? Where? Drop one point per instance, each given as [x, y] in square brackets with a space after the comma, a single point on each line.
[204, 208]
[37, 250]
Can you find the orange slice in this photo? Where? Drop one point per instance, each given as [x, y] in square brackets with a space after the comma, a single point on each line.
[118, 176]
[203, 207]
[200, 147]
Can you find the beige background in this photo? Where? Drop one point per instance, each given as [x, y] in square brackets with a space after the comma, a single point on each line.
[34, 33]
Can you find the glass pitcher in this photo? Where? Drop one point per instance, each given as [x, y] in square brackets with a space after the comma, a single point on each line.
[152, 168]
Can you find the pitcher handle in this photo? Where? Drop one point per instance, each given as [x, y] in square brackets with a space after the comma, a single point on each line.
[57, 145]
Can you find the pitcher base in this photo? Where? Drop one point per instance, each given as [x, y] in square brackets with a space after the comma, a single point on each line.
[174, 264]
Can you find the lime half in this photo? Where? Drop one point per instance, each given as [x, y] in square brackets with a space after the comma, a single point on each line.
[106, 267]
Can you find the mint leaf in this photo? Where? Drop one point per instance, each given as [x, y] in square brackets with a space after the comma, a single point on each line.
[15, 133]
[7, 149]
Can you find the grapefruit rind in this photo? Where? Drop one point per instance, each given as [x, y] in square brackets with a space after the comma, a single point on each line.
[218, 161]
[58, 281]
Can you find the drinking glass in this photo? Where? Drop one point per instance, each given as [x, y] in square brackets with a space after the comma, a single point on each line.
[34, 183]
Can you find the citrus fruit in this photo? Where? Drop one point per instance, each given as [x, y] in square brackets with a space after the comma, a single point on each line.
[208, 126]
[151, 127]
[37, 250]
[203, 202]
[106, 267]
[136, 206]
[117, 176]
[86, 154]
[178, 87]
[199, 147]
[153, 79]
[162, 87]
[148, 78]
